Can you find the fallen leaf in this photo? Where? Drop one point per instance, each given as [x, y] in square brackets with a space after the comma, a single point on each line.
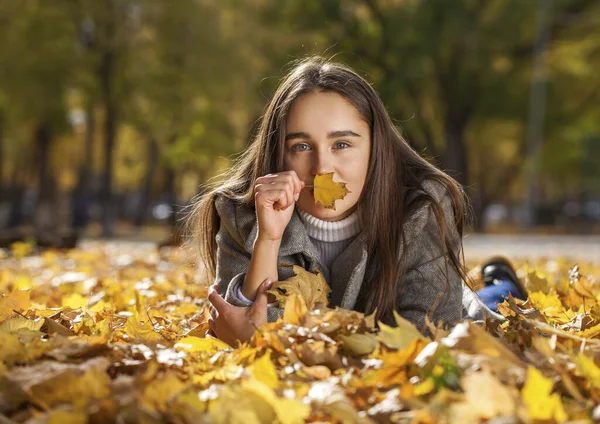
[541, 404]
[17, 300]
[486, 396]
[194, 344]
[400, 336]
[359, 344]
[311, 286]
[264, 371]
[588, 369]
[295, 309]
[160, 391]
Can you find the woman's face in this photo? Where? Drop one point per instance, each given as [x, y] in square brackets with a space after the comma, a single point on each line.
[325, 133]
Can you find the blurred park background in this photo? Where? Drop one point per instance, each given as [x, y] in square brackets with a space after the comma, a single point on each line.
[113, 113]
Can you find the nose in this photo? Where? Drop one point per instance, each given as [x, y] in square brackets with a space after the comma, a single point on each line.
[321, 162]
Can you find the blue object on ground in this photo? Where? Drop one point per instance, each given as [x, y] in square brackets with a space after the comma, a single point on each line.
[496, 293]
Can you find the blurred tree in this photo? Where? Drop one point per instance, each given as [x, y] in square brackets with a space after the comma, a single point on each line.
[36, 58]
[448, 72]
[188, 91]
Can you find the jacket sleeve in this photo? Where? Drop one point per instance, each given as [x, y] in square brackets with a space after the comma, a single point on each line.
[232, 265]
[431, 285]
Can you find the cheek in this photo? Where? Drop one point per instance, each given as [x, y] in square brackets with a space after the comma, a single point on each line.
[296, 163]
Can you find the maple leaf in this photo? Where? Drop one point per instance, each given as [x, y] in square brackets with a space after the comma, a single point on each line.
[18, 299]
[140, 329]
[264, 370]
[295, 309]
[192, 344]
[400, 336]
[328, 191]
[486, 396]
[320, 365]
[541, 404]
[310, 286]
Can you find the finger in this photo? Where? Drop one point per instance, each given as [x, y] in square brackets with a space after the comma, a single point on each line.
[297, 183]
[260, 303]
[276, 198]
[213, 312]
[269, 178]
[212, 325]
[217, 301]
[289, 177]
[211, 333]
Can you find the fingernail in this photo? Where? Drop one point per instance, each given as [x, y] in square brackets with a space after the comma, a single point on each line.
[268, 284]
[297, 196]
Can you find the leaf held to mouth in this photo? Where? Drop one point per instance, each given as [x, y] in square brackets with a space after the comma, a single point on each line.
[328, 191]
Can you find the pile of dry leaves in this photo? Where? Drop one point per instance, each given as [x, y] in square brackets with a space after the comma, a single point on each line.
[102, 334]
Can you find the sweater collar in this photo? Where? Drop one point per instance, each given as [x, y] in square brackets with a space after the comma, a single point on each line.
[329, 231]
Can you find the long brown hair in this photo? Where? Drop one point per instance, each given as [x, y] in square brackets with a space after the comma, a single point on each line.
[395, 170]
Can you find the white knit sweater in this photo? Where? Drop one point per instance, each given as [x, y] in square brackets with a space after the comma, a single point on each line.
[330, 238]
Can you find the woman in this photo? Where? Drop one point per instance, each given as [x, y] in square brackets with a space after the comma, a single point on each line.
[393, 243]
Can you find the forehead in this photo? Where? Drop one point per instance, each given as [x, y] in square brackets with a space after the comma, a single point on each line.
[323, 111]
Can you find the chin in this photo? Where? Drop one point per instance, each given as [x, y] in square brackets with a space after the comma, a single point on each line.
[318, 211]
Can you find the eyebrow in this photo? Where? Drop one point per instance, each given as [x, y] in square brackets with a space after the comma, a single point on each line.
[332, 134]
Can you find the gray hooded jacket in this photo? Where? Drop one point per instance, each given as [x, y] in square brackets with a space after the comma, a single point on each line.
[424, 286]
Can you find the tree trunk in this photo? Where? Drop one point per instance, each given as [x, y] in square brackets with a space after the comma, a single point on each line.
[2, 190]
[171, 195]
[151, 164]
[455, 157]
[44, 216]
[16, 192]
[82, 195]
[110, 123]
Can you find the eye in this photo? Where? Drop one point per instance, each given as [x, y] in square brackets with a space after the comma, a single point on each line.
[300, 147]
[341, 145]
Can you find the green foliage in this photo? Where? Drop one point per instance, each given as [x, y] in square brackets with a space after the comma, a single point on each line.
[192, 76]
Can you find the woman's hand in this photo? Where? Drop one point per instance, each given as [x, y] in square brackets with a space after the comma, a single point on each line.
[231, 323]
[274, 199]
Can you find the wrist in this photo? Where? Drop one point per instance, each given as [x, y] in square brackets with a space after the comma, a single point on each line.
[267, 241]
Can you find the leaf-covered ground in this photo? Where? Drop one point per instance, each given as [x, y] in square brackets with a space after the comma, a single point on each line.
[104, 334]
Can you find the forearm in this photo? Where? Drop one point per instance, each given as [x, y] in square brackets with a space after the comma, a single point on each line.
[263, 265]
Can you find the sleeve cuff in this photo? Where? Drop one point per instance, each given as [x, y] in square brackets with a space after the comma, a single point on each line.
[234, 293]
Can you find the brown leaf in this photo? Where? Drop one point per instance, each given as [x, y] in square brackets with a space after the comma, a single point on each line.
[310, 286]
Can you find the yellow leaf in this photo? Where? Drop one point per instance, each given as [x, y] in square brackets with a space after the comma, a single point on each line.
[311, 286]
[400, 336]
[65, 416]
[536, 394]
[75, 301]
[424, 387]
[140, 329]
[295, 309]
[21, 249]
[471, 338]
[327, 191]
[234, 406]
[264, 371]
[22, 282]
[12, 350]
[549, 304]
[54, 383]
[487, 396]
[359, 344]
[287, 411]
[17, 300]
[588, 369]
[160, 391]
[16, 324]
[194, 344]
